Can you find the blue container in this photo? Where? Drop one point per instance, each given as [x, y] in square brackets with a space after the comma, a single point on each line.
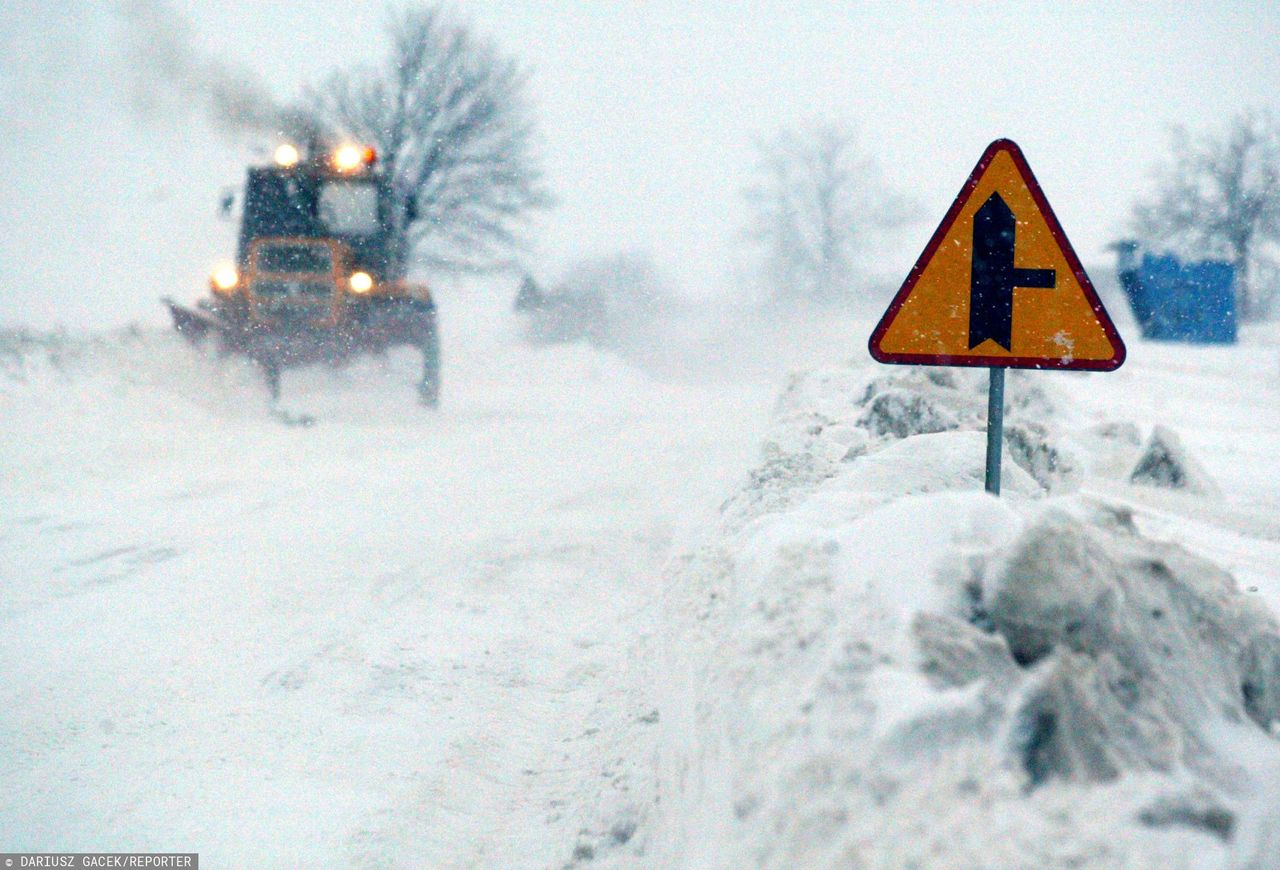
[1177, 301]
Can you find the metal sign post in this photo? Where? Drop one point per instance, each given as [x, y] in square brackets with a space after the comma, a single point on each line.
[995, 429]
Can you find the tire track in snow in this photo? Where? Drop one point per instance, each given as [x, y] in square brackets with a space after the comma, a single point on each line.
[531, 764]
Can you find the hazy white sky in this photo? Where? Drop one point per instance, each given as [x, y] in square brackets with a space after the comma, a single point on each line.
[648, 112]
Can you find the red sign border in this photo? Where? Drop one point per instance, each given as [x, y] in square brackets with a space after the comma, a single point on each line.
[940, 234]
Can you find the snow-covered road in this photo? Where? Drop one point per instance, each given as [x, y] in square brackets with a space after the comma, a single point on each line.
[395, 638]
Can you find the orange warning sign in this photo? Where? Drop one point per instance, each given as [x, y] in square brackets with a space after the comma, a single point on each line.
[998, 284]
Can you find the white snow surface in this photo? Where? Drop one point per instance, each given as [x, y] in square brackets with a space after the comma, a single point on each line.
[529, 631]
[396, 638]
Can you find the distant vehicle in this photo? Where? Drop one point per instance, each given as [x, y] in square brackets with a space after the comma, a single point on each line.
[317, 276]
[563, 314]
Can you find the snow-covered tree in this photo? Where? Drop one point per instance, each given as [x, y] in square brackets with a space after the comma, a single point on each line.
[451, 122]
[1219, 196]
[815, 200]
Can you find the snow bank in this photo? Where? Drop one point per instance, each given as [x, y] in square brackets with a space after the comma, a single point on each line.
[876, 665]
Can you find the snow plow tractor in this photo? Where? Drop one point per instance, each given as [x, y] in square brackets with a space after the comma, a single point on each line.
[319, 271]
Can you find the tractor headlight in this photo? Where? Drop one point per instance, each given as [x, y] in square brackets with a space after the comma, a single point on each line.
[361, 282]
[225, 278]
[348, 158]
[287, 155]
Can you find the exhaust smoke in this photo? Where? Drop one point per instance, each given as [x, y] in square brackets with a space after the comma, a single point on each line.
[170, 77]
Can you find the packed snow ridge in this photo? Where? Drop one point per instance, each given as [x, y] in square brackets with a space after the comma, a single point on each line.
[877, 665]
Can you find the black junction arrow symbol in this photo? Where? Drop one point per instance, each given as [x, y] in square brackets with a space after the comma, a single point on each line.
[993, 276]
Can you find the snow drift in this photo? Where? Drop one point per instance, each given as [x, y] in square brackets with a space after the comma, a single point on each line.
[875, 664]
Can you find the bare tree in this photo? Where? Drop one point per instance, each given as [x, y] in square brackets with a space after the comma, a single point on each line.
[451, 123]
[1219, 196]
[815, 201]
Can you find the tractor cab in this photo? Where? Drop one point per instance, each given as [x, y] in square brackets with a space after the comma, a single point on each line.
[339, 196]
[315, 233]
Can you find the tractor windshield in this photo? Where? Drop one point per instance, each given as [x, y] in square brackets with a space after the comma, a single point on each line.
[349, 207]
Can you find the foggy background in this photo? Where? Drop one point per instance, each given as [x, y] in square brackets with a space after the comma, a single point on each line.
[647, 110]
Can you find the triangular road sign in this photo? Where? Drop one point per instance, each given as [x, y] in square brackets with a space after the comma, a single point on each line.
[998, 284]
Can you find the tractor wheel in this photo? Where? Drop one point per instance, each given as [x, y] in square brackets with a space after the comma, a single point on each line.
[429, 386]
[271, 372]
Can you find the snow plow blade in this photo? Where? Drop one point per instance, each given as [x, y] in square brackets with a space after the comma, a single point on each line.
[194, 325]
